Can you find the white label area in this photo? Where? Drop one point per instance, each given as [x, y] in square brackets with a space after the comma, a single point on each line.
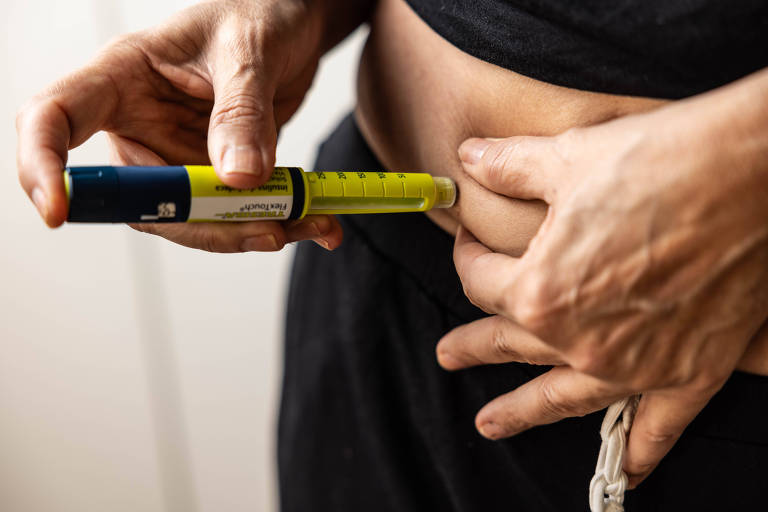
[240, 208]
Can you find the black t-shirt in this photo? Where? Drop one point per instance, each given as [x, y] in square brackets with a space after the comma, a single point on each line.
[660, 48]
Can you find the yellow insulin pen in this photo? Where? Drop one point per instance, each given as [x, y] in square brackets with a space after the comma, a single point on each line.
[194, 193]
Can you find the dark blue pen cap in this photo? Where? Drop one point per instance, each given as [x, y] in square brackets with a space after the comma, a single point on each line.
[128, 194]
[93, 194]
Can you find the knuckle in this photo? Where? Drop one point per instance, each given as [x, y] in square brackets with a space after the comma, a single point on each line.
[500, 343]
[498, 161]
[472, 298]
[503, 302]
[239, 36]
[589, 359]
[132, 43]
[569, 137]
[658, 434]
[531, 311]
[582, 361]
[555, 404]
[564, 142]
[532, 300]
[210, 241]
[640, 469]
[260, 22]
[527, 314]
[239, 109]
[29, 111]
[502, 159]
[122, 41]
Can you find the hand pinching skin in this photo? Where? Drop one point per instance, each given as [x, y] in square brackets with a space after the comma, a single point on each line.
[649, 274]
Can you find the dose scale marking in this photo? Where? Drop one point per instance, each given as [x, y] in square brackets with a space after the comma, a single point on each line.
[195, 194]
[363, 191]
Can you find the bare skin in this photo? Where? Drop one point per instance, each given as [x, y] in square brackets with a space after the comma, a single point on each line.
[420, 98]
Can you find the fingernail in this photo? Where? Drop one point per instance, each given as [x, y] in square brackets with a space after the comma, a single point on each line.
[322, 242]
[38, 197]
[260, 243]
[491, 430]
[448, 361]
[472, 151]
[242, 159]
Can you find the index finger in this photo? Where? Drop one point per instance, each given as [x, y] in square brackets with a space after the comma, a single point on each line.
[60, 119]
[487, 276]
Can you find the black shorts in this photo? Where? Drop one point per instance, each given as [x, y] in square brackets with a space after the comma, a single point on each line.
[370, 422]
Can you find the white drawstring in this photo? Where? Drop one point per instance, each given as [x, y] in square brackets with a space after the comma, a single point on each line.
[606, 490]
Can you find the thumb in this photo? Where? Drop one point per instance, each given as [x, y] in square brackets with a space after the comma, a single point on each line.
[519, 167]
[242, 135]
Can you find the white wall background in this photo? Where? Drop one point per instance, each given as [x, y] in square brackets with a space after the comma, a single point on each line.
[134, 375]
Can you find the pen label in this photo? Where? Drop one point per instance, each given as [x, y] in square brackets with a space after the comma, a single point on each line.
[213, 201]
[238, 207]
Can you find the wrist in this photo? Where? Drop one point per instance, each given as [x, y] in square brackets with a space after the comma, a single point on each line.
[733, 124]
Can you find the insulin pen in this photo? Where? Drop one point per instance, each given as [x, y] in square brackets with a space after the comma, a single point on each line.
[194, 193]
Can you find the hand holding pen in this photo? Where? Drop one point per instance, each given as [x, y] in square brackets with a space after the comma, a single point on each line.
[210, 86]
